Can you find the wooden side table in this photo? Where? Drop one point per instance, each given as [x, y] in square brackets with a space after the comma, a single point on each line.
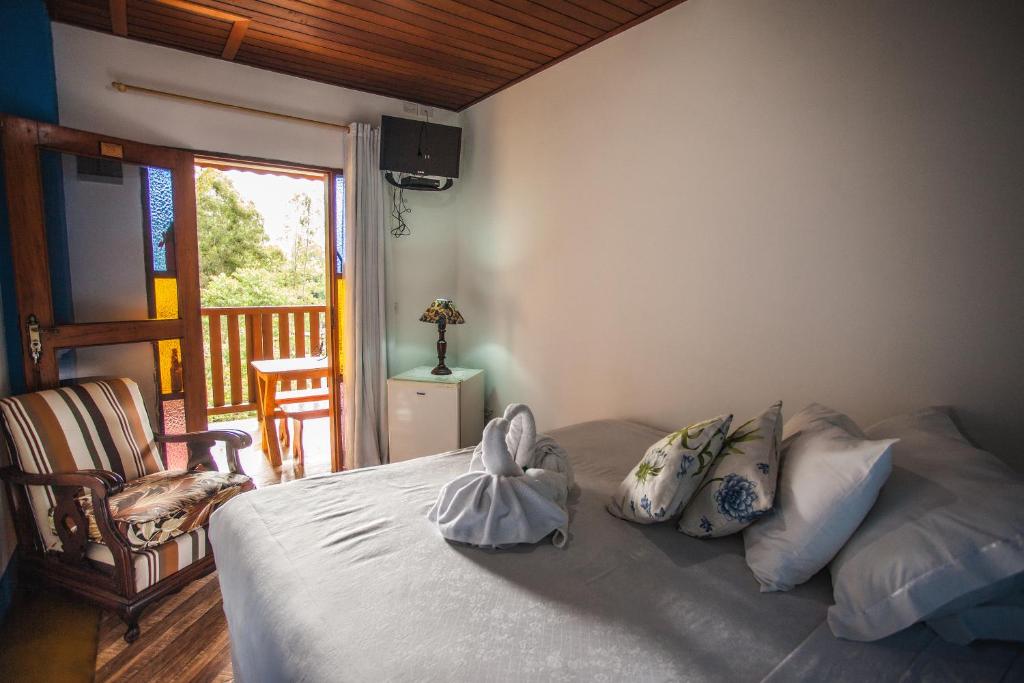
[268, 373]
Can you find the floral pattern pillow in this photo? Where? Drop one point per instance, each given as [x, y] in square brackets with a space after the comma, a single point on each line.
[671, 470]
[741, 485]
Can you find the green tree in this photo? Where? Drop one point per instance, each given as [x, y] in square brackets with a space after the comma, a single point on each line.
[303, 274]
[231, 231]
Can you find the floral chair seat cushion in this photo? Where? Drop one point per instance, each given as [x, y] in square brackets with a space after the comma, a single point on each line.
[159, 507]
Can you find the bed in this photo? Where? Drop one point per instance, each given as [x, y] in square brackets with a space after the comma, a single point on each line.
[342, 578]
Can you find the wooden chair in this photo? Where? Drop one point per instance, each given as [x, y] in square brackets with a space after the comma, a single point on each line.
[96, 511]
[300, 412]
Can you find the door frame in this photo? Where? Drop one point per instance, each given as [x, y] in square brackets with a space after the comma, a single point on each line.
[22, 140]
[335, 308]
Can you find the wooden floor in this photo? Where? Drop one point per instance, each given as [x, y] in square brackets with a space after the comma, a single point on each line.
[184, 638]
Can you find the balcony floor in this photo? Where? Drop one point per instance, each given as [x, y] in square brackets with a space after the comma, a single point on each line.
[316, 440]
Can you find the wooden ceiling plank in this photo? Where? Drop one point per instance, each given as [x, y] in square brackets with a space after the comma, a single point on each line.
[383, 61]
[386, 55]
[606, 9]
[341, 68]
[382, 40]
[410, 12]
[636, 7]
[160, 16]
[432, 32]
[235, 38]
[531, 11]
[346, 60]
[349, 80]
[256, 49]
[203, 10]
[579, 13]
[119, 17]
[512, 27]
[191, 43]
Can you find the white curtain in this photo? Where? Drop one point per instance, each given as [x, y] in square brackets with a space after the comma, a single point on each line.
[364, 339]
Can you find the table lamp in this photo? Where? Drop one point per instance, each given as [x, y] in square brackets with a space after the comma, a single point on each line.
[444, 313]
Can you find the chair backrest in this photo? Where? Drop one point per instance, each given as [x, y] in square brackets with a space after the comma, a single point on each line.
[99, 425]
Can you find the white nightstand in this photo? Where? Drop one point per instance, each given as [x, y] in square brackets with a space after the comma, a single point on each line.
[430, 414]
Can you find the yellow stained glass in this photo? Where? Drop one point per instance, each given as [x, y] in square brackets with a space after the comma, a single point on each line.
[170, 366]
[165, 303]
[165, 297]
[341, 307]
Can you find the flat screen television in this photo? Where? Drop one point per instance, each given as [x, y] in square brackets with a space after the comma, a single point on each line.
[419, 147]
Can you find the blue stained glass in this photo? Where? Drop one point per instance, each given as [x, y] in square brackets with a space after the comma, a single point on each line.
[161, 213]
[339, 223]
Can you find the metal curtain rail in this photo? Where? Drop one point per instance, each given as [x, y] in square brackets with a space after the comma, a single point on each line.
[125, 87]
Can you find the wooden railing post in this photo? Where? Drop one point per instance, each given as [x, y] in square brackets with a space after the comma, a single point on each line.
[225, 386]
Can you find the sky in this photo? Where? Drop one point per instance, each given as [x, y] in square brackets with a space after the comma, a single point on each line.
[271, 195]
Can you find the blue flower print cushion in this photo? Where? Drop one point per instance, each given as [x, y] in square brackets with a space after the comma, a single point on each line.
[670, 471]
[740, 487]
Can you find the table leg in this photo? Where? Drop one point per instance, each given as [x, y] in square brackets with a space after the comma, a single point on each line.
[269, 431]
[260, 400]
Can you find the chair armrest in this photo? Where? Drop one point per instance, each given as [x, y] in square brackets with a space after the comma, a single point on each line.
[200, 443]
[101, 484]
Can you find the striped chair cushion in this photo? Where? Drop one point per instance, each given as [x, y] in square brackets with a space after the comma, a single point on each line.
[157, 563]
[95, 425]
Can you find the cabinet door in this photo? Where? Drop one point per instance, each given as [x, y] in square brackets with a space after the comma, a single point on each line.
[423, 419]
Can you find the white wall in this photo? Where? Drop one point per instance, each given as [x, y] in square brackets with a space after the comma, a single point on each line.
[738, 202]
[419, 268]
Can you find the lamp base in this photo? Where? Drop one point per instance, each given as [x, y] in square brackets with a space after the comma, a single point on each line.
[441, 369]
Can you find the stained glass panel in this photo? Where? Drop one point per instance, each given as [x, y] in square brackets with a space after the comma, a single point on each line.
[339, 223]
[173, 416]
[160, 195]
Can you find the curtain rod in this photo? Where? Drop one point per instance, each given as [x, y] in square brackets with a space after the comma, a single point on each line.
[125, 87]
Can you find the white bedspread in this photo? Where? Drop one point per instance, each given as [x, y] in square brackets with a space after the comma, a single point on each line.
[342, 578]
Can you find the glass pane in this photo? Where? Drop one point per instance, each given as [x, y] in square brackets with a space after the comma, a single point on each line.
[173, 418]
[339, 223]
[110, 237]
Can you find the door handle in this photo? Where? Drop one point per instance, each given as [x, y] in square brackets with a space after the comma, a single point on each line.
[35, 344]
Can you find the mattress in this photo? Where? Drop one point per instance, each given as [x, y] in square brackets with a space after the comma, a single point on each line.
[342, 578]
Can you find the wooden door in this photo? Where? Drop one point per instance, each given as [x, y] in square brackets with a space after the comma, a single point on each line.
[105, 256]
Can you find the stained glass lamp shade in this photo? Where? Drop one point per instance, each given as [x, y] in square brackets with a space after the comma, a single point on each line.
[442, 313]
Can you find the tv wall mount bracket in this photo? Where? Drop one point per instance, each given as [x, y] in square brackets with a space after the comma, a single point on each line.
[419, 183]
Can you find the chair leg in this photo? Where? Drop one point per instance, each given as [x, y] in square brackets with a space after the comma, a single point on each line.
[285, 436]
[130, 616]
[297, 451]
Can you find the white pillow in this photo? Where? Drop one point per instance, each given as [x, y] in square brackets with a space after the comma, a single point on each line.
[947, 534]
[829, 478]
[741, 484]
[670, 471]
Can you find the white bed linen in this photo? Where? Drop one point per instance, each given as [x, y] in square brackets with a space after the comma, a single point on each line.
[343, 578]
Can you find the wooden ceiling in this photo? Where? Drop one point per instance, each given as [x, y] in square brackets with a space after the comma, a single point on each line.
[444, 53]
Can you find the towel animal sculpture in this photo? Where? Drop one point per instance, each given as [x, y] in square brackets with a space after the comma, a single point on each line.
[516, 490]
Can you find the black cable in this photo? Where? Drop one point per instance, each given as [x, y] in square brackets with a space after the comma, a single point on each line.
[399, 208]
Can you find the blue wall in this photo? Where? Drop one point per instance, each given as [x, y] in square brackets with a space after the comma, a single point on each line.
[28, 88]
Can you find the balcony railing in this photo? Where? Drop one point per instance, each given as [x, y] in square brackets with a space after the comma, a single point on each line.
[233, 336]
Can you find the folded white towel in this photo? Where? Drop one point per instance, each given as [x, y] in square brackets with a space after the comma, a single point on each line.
[515, 492]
